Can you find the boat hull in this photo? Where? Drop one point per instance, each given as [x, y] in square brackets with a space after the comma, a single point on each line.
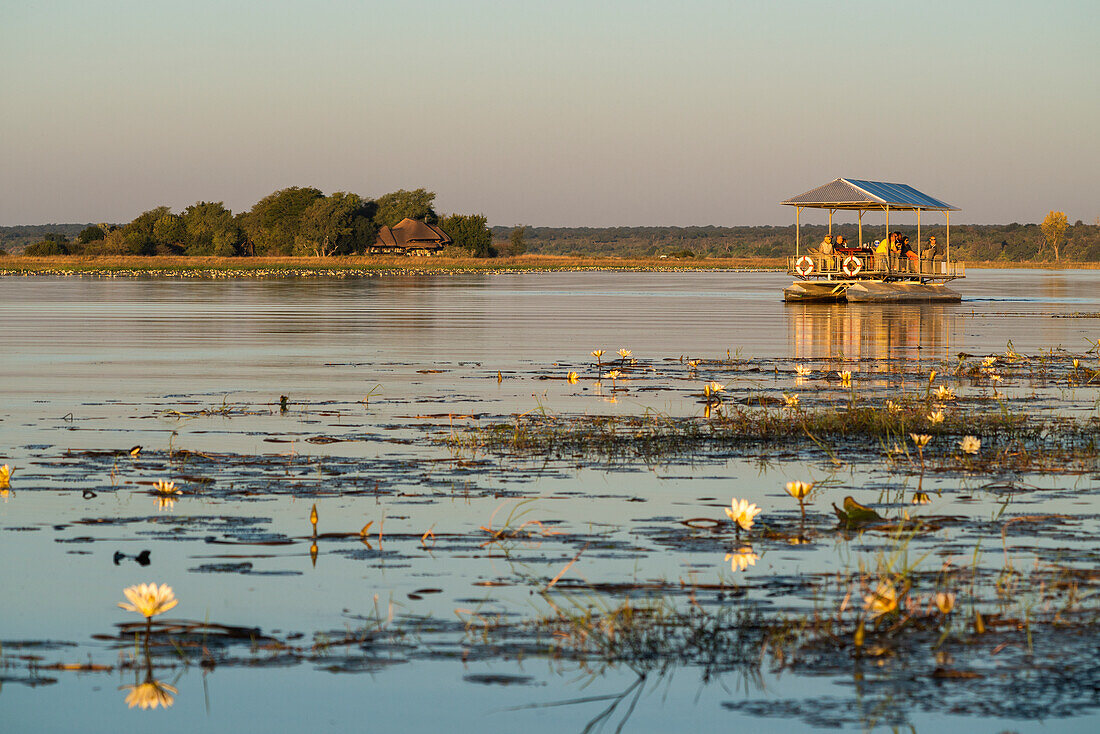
[869, 291]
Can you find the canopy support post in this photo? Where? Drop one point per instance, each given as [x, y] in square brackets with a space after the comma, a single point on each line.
[831, 212]
[861, 229]
[919, 261]
[797, 226]
[948, 258]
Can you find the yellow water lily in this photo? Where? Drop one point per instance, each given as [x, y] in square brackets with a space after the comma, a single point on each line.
[613, 375]
[742, 513]
[572, 378]
[150, 694]
[996, 378]
[883, 600]
[892, 407]
[845, 378]
[1076, 363]
[166, 488]
[935, 417]
[802, 371]
[944, 601]
[970, 444]
[713, 388]
[741, 559]
[5, 476]
[790, 400]
[624, 353]
[944, 393]
[597, 353]
[988, 361]
[149, 600]
[920, 440]
[931, 377]
[799, 490]
[921, 498]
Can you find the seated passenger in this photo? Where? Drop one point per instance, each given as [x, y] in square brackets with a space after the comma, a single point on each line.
[827, 245]
[907, 250]
[841, 241]
[935, 249]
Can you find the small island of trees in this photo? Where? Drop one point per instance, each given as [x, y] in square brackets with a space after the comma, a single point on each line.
[295, 221]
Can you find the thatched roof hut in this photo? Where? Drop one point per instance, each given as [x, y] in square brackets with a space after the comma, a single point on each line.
[411, 237]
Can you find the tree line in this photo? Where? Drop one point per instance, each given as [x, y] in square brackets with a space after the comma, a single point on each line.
[302, 221]
[1055, 239]
[292, 221]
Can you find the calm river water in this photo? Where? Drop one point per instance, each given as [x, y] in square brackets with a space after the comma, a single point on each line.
[102, 365]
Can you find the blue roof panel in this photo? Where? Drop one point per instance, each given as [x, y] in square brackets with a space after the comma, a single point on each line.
[896, 194]
[856, 193]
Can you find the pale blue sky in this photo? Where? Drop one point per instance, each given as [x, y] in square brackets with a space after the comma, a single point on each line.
[548, 113]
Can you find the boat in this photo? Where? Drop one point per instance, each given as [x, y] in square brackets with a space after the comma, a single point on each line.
[858, 273]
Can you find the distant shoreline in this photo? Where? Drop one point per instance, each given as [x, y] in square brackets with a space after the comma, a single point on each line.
[376, 266]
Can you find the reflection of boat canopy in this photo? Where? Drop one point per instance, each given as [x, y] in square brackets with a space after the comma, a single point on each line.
[873, 276]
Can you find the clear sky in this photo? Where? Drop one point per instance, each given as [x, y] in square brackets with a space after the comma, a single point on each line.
[554, 113]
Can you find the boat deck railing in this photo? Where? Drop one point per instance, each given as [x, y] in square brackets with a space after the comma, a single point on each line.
[871, 266]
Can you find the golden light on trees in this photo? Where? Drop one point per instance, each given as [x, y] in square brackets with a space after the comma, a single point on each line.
[1054, 230]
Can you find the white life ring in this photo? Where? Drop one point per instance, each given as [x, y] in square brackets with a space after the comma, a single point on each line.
[852, 265]
[804, 266]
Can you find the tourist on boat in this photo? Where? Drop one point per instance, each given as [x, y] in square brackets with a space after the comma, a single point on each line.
[908, 251]
[841, 241]
[827, 245]
[935, 248]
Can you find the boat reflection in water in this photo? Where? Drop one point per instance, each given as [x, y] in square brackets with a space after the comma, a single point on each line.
[891, 335]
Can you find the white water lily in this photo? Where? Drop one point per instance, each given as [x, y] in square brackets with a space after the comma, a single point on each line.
[799, 490]
[944, 601]
[149, 600]
[742, 513]
[883, 600]
[166, 488]
[970, 444]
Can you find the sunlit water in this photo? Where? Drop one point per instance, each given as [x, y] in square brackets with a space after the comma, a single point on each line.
[98, 364]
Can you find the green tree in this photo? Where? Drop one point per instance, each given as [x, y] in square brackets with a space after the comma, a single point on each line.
[1054, 229]
[169, 232]
[210, 229]
[52, 243]
[135, 238]
[517, 242]
[91, 233]
[470, 231]
[339, 224]
[273, 223]
[401, 204]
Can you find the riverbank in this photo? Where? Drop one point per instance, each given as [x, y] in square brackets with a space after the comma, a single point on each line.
[368, 266]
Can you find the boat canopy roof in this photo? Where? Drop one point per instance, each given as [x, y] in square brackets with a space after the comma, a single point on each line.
[855, 193]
